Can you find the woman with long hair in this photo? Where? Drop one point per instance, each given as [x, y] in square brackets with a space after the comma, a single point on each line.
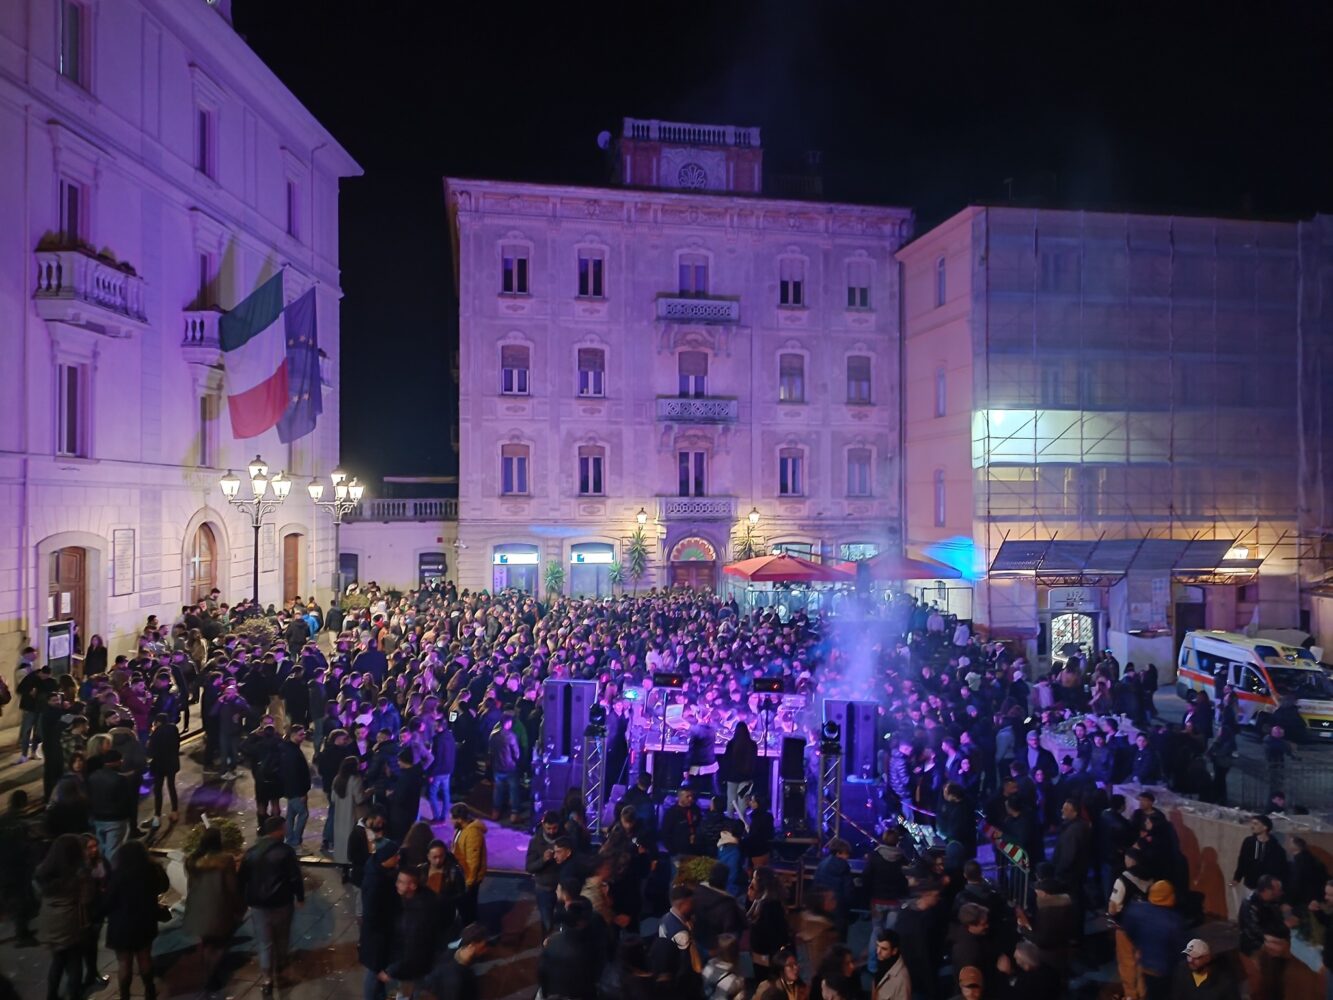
[68, 810]
[415, 845]
[349, 808]
[767, 917]
[784, 980]
[132, 914]
[214, 906]
[62, 922]
[94, 660]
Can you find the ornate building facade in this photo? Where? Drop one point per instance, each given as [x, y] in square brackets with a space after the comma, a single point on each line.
[156, 171]
[676, 353]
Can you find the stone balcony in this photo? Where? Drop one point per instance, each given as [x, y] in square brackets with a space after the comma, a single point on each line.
[708, 410]
[696, 508]
[654, 130]
[81, 289]
[200, 344]
[388, 509]
[690, 309]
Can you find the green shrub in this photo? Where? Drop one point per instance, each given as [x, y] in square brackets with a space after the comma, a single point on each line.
[259, 631]
[233, 839]
[694, 871]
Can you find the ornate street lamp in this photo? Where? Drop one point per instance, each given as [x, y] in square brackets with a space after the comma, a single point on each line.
[260, 503]
[346, 495]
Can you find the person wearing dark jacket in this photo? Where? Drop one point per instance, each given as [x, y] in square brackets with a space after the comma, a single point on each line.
[884, 875]
[111, 803]
[1200, 978]
[1071, 856]
[328, 761]
[295, 694]
[1260, 854]
[716, 911]
[404, 796]
[294, 775]
[680, 826]
[739, 762]
[834, 873]
[444, 754]
[262, 749]
[164, 762]
[379, 913]
[541, 864]
[1115, 835]
[758, 839]
[371, 660]
[1147, 767]
[131, 910]
[272, 885]
[418, 932]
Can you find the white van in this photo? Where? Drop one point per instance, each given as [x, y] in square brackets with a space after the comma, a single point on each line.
[1263, 672]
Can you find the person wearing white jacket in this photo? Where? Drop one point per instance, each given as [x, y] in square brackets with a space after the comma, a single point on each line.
[892, 981]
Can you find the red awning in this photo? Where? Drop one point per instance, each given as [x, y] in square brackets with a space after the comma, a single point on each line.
[787, 569]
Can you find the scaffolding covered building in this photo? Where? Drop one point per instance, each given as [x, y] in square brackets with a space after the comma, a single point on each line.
[1114, 422]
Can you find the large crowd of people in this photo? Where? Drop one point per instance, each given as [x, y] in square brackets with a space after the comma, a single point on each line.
[416, 720]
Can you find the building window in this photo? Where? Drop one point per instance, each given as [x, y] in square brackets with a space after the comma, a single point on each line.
[940, 509]
[693, 370]
[791, 472]
[203, 148]
[791, 378]
[940, 286]
[71, 410]
[592, 371]
[791, 282]
[592, 268]
[514, 469]
[591, 460]
[209, 410]
[691, 466]
[858, 379]
[293, 210]
[693, 274]
[73, 38]
[514, 270]
[858, 285]
[514, 370]
[72, 214]
[858, 472]
[941, 389]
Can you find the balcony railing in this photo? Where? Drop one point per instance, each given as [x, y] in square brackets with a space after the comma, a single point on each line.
[686, 309]
[691, 135]
[387, 509]
[696, 508]
[201, 328]
[697, 411]
[76, 287]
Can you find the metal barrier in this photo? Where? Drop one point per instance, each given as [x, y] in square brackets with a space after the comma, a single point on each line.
[1307, 784]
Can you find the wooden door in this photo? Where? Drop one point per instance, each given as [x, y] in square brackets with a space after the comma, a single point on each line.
[67, 590]
[291, 566]
[693, 575]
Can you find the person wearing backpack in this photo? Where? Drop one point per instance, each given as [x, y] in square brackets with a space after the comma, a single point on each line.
[271, 883]
[1128, 887]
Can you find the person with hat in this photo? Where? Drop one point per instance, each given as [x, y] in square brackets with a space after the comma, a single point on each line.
[1157, 932]
[1200, 976]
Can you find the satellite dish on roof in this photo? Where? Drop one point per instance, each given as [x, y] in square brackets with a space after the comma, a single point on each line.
[604, 139]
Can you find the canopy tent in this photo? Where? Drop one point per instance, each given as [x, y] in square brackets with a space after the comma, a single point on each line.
[894, 566]
[787, 569]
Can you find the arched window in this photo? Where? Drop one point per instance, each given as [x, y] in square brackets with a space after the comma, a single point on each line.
[203, 570]
[940, 288]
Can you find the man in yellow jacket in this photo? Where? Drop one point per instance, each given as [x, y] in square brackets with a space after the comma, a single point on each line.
[470, 850]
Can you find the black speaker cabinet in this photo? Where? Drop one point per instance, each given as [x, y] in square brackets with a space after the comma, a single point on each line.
[793, 759]
[565, 707]
[858, 723]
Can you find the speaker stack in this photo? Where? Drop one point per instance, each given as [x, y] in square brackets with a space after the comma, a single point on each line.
[566, 705]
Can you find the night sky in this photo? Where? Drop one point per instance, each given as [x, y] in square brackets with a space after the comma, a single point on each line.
[1221, 109]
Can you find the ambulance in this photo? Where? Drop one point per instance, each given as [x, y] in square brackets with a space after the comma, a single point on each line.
[1264, 673]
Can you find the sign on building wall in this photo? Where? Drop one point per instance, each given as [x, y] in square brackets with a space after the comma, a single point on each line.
[1074, 599]
[59, 646]
[122, 562]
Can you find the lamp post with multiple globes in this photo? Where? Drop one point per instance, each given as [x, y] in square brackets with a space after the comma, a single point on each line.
[346, 495]
[261, 502]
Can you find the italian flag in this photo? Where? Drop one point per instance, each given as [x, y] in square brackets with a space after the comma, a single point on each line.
[254, 356]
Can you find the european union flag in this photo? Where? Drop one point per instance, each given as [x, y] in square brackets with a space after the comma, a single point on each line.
[305, 400]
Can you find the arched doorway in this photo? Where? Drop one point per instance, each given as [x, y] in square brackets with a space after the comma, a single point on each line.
[694, 564]
[202, 563]
[67, 589]
[291, 565]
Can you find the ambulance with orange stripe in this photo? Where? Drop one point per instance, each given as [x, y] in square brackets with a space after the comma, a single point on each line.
[1264, 673]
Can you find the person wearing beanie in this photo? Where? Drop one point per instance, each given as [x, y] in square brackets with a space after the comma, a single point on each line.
[1157, 932]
